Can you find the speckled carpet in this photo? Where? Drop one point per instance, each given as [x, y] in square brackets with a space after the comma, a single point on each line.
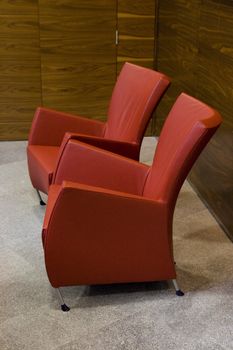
[147, 316]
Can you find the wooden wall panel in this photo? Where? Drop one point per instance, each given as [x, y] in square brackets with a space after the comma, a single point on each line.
[78, 54]
[18, 7]
[137, 35]
[136, 29]
[195, 47]
[73, 7]
[62, 54]
[20, 87]
[177, 47]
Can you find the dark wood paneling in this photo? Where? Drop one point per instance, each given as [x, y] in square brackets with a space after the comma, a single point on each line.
[73, 7]
[136, 28]
[139, 7]
[14, 130]
[212, 177]
[62, 54]
[177, 48]
[78, 54]
[195, 48]
[18, 7]
[137, 33]
[20, 81]
[17, 111]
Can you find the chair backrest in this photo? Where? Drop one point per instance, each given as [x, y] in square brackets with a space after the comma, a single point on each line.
[135, 95]
[187, 129]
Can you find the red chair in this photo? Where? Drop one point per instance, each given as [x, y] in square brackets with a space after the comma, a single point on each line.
[135, 96]
[111, 220]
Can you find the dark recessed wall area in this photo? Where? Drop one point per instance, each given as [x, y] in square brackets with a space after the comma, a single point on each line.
[195, 48]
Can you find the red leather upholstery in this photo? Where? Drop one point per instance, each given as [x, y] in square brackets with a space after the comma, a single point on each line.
[112, 221]
[136, 94]
[42, 163]
[132, 102]
[112, 172]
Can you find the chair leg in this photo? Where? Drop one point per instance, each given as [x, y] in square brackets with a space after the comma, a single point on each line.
[64, 307]
[178, 291]
[40, 198]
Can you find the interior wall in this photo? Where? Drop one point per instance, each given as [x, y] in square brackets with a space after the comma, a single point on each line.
[78, 55]
[20, 83]
[136, 28]
[137, 25]
[58, 54]
[195, 48]
[64, 55]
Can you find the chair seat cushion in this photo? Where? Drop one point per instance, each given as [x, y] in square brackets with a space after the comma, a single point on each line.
[41, 163]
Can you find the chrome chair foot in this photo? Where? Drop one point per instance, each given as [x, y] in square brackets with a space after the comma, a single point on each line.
[64, 307]
[40, 198]
[179, 292]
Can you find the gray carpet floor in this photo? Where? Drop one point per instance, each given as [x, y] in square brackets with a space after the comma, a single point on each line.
[147, 316]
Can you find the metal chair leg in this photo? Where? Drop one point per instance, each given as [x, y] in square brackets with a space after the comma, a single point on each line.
[64, 307]
[40, 198]
[178, 291]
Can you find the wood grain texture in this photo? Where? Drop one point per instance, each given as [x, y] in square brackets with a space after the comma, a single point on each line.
[20, 110]
[62, 54]
[73, 7]
[139, 7]
[15, 130]
[20, 81]
[78, 55]
[136, 28]
[195, 48]
[18, 7]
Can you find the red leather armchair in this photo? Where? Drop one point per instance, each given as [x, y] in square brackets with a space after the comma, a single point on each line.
[111, 220]
[136, 94]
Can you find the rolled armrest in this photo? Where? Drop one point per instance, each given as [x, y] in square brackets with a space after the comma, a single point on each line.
[83, 163]
[49, 127]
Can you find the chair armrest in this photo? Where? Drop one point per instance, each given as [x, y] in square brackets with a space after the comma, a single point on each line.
[49, 127]
[95, 234]
[83, 163]
[127, 149]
